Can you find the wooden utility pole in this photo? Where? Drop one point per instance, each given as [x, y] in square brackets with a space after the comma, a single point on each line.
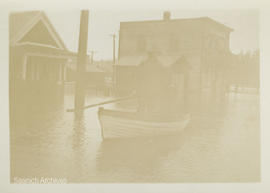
[113, 48]
[114, 70]
[81, 62]
[92, 56]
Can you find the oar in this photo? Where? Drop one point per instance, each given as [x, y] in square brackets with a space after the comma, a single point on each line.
[105, 102]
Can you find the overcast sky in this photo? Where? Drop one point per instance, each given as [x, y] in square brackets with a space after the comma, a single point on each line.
[104, 23]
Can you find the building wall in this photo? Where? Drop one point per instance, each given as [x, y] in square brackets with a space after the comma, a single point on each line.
[165, 37]
[34, 63]
[205, 45]
[216, 57]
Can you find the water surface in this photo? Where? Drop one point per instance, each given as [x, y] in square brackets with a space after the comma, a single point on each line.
[221, 144]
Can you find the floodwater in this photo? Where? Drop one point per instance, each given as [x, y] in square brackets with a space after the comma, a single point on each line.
[221, 144]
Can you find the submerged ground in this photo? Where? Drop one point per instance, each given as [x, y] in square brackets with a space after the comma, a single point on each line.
[221, 144]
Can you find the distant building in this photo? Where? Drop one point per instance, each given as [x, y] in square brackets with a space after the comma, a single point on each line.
[37, 53]
[245, 69]
[97, 72]
[202, 41]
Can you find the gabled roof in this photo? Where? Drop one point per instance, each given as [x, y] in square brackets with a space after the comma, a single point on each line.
[21, 23]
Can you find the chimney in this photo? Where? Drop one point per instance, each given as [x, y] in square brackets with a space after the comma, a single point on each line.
[166, 15]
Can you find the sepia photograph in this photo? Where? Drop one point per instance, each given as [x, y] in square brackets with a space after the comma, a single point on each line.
[168, 96]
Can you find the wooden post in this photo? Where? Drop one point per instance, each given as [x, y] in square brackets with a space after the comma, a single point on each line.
[24, 68]
[92, 57]
[114, 75]
[186, 88]
[63, 73]
[113, 49]
[114, 70]
[81, 62]
[60, 73]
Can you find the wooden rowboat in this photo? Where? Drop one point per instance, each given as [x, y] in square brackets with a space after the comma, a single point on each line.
[119, 124]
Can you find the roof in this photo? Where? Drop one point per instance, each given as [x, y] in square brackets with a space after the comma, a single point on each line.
[20, 23]
[173, 21]
[165, 59]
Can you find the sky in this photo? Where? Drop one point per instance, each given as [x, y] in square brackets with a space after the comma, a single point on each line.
[102, 24]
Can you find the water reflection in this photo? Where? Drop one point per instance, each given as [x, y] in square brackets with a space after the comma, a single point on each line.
[140, 157]
[221, 143]
[78, 130]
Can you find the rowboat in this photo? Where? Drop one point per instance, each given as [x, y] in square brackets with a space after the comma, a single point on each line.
[121, 124]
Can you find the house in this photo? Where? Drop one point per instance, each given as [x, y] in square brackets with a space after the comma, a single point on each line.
[97, 73]
[37, 66]
[203, 42]
[37, 52]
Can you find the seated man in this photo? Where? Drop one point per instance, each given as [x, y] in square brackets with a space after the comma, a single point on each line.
[152, 85]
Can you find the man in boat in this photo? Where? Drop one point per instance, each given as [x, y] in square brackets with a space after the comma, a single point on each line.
[152, 85]
[180, 68]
